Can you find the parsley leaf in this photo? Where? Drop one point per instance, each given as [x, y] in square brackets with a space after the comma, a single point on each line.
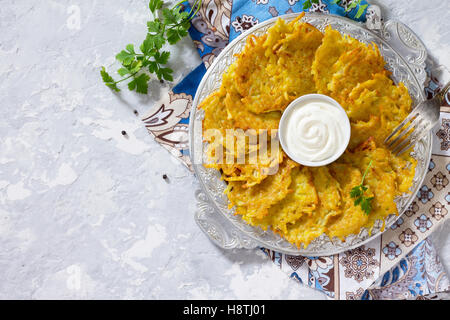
[140, 83]
[123, 71]
[162, 57]
[156, 40]
[169, 17]
[168, 25]
[366, 204]
[155, 5]
[108, 80]
[166, 73]
[125, 57]
[175, 35]
[357, 193]
[152, 66]
[154, 26]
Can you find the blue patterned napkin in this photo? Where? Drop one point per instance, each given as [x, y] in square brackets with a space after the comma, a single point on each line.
[405, 269]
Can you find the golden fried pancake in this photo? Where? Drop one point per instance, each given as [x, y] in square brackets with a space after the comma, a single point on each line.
[352, 68]
[352, 218]
[341, 63]
[274, 69]
[237, 110]
[215, 113]
[376, 106]
[332, 47]
[253, 202]
[301, 201]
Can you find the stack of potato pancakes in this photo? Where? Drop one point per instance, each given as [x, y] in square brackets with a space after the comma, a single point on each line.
[301, 203]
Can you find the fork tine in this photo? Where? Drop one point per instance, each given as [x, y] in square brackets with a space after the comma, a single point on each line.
[418, 134]
[406, 131]
[401, 125]
[410, 136]
[407, 141]
[421, 120]
[422, 133]
[405, 148]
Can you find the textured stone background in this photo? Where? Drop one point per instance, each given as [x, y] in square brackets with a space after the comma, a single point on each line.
[84, 211]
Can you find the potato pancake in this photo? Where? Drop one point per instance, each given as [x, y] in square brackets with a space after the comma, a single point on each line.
[275, 68]
[342, 62]
[256, 200]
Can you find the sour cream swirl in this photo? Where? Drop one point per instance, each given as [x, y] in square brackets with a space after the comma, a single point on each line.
[315, 130]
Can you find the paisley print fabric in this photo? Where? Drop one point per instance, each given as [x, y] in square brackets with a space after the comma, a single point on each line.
[402, 263]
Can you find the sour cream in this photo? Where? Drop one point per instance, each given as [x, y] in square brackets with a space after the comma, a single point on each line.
[314, 130]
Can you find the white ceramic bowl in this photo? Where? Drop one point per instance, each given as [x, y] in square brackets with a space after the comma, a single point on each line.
[297, 104]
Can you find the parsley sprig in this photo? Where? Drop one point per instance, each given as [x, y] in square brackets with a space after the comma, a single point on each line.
[358, 194]
[167, 26]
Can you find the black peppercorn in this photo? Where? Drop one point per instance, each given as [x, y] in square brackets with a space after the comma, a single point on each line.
[124, 133]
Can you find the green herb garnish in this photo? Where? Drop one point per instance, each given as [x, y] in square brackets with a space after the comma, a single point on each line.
[168, 25]
[358, 194]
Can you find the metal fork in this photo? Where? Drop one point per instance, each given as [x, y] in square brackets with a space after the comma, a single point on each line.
[417, 124]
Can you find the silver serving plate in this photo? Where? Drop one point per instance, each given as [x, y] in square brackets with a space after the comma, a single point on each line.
[405, 55]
